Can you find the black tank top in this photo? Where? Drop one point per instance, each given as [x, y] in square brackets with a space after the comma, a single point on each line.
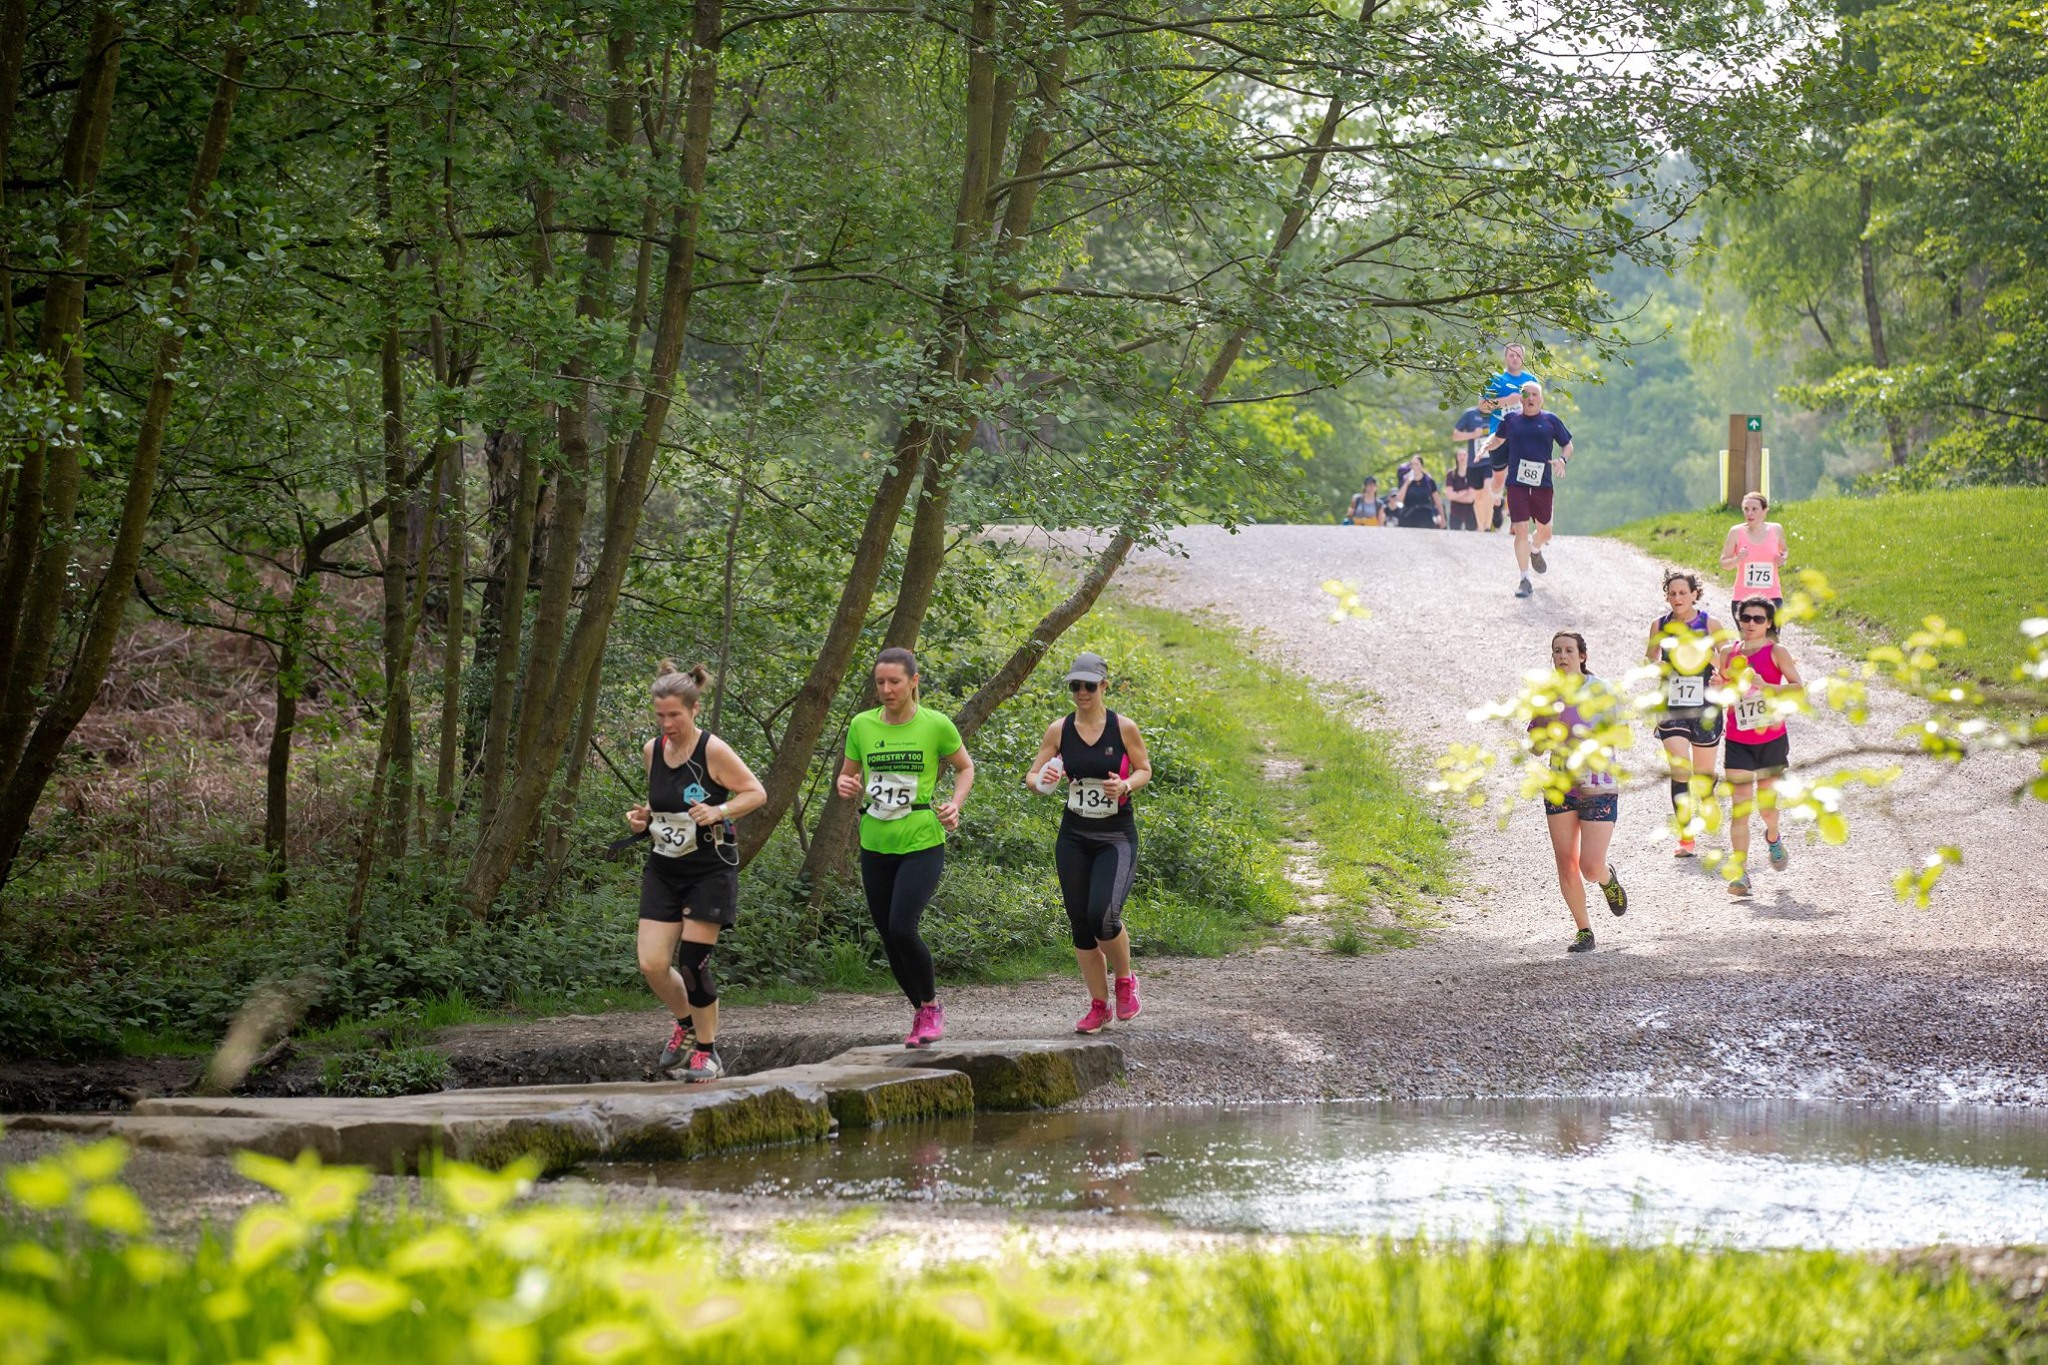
[1106, 757]
[673, 791]
[1698, 625]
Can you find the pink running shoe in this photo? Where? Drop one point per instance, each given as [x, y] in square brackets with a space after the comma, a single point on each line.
[928, 1027]
[1096, 1019]
[1127, 1005]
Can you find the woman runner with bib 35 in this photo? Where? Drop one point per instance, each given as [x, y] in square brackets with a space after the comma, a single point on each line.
[892, 763]
[1582, 822]
[1758, 750]
[1102, 757]
[696, 787]
[1689, 726]
[1756, 551]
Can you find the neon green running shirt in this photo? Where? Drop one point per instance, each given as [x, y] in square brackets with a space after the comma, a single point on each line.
[899, 767]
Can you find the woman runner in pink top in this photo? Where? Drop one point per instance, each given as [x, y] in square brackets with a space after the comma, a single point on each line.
[1756, 551]
[1757, 750]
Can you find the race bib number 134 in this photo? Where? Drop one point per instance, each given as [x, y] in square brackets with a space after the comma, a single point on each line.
[1089, 796]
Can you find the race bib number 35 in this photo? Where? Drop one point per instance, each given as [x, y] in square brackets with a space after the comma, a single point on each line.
[1685, 690]
[891, 795]
[1089, 796]
[673, 833]
[1761, 577]
[1529, 473]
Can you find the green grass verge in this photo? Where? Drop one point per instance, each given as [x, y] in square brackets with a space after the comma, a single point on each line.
[304, 1280]
[1302, 772]
[1973, 557]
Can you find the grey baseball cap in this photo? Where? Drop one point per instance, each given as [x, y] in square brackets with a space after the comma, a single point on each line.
[1088, 668]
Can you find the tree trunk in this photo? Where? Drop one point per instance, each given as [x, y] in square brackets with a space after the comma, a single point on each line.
[13, 42]
[396, 739]
[1016, 670]
[89, 669]
[514, 822]
[290, 683]
[34, 582]
[813, 704]
[511, 626]
[1880, 354]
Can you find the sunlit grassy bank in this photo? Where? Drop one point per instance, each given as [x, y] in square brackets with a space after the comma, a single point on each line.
[1976, 557]
[473, 1275]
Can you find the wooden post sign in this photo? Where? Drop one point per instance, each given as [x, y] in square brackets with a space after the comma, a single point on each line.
[1744, 467]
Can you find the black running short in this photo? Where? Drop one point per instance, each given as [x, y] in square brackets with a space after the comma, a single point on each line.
[1767, 759]
[1703, 730]
[713, 897]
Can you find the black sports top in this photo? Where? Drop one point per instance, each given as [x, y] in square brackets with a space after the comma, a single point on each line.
[1106, 757]
[1684, 699]
[671, 791]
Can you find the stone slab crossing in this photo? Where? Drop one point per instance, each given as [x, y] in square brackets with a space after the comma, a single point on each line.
[666, 1120]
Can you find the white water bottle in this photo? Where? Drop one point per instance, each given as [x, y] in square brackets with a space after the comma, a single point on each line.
[1049, 776]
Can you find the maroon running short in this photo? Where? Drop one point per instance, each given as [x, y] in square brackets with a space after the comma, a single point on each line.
[1527, 504]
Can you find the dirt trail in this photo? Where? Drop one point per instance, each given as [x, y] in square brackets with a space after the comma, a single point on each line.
[1821, 985]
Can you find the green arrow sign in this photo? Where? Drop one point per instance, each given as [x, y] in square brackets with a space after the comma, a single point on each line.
[1756, 424]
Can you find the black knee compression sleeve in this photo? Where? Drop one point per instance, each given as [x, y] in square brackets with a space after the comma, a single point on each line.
[693, 961]
[1679, 788]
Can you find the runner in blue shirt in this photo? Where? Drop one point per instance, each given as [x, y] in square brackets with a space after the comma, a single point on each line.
[1526, 441]
[1502, 395]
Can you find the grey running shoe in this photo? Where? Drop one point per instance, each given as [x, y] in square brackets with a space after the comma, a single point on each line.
[1740, 886]
[1617, 898]
[704, 1065]
[1781, 857]
[1536, 562]
[679, 1044]
[1582, 942]
[1525, 590]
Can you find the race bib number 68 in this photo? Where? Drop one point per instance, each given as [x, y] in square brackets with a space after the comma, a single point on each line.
[1529, 473]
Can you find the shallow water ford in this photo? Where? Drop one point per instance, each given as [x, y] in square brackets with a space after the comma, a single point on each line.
[1767, 1173]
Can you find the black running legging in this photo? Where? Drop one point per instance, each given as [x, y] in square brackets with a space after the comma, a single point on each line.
[898, 887]
[1095, 877]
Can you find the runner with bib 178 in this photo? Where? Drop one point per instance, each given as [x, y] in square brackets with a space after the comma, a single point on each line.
[892, 763]
[1526, 439]
[1758, 749]
[1101, 756]
[1581, 818]
[1682, 645]
[1756, 551]
[696, 787]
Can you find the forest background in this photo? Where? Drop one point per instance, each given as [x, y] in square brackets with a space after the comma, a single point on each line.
[387, 386]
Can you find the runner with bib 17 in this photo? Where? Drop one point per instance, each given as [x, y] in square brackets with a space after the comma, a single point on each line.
[1758, 750]
[892, 763]
[696, 787]
[1682, 644]
[1526, 439]
[1755, 552]
[1101, 757]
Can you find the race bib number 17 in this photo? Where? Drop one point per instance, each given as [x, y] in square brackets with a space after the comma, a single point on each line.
[1685, 690]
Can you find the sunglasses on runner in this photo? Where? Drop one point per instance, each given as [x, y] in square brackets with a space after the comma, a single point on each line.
[1076, 685]
[1754, 620]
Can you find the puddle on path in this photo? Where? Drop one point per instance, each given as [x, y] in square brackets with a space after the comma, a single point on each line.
[1778, 1173]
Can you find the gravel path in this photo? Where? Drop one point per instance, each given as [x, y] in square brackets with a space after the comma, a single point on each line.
[1820, 986]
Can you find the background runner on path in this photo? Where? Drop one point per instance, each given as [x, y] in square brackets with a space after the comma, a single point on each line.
[1525, 441]
[1758, 747]
[1500, 395]
[1756, 551]
[1682, 645]
[1581, 822]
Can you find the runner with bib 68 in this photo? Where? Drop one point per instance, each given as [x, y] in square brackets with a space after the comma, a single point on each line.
[1682, 644]
[1758, 749]
[1526, 439]
[892, 763]
[696, 787]
[1101, 757]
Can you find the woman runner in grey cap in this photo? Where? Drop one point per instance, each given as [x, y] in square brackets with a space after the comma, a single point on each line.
[1101, 757]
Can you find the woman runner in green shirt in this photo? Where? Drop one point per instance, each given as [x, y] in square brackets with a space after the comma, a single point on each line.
[892, 763]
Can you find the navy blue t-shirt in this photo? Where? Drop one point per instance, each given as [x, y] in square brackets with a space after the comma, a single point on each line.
[1531, 438]
[1472, 419]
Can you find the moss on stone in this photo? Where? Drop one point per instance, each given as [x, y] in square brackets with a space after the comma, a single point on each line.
[870, 1105]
